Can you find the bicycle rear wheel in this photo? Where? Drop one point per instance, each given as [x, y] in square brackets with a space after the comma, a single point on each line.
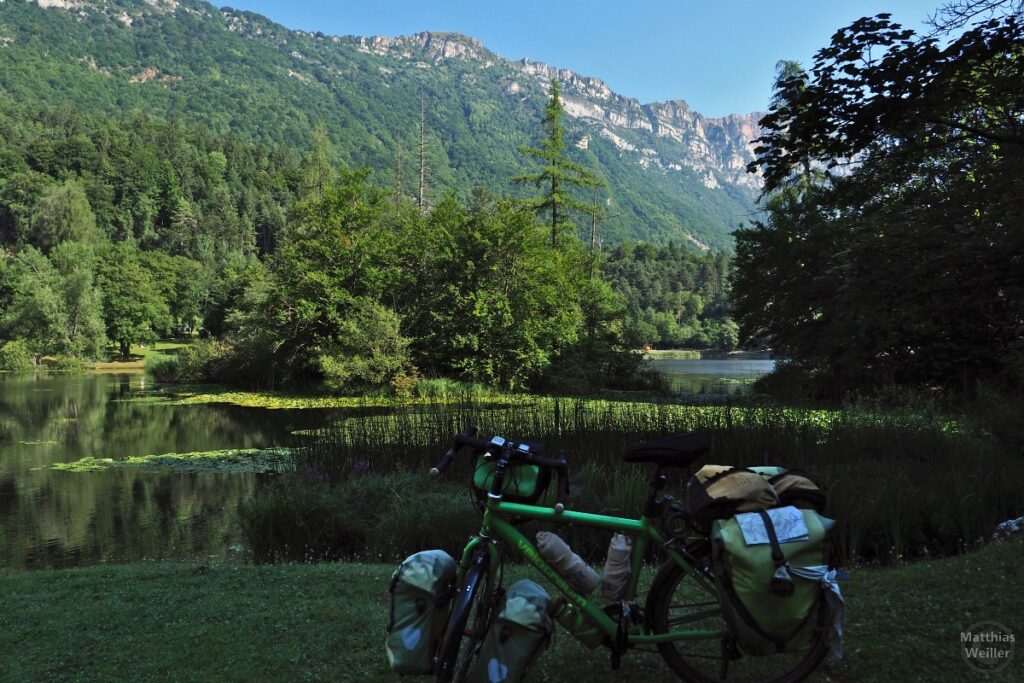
[677, 601]
[467, 623]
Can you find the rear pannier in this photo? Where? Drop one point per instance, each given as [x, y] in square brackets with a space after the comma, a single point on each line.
[516, 637]
[762, 561]
[421, 589]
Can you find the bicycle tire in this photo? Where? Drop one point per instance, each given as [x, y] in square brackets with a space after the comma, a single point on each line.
[470, 597]
[666, 587]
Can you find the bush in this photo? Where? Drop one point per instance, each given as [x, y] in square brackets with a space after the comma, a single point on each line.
[200, 361]
[66, 365]
[162, 367]
[16, 357]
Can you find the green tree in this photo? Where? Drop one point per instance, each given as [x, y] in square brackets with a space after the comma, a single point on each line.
[85, 331]
[62, 214]
[316, 169]
[558, 175]
[35, 309]
[133, 309]
[496, 304]
[315, 314]
[906, 267]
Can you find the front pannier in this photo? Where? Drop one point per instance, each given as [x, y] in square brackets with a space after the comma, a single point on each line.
[516, 637]
[421, 589]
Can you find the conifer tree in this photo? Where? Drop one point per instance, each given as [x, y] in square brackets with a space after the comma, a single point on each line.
[558, 175]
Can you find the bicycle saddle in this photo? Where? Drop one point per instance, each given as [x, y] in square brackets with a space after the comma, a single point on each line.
[675, 451]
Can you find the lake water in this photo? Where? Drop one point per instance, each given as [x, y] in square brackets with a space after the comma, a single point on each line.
[52, 518]
[713, 377]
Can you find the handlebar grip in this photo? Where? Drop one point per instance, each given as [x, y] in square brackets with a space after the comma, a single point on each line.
[440, 467]
[463, 439]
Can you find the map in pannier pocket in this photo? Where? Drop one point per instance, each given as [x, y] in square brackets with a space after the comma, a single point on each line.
[788, 522]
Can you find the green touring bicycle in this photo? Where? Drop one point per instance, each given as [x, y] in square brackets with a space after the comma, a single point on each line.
[680, 617]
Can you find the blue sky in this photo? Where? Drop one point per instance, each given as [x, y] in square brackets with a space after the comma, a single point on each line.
[719, 56]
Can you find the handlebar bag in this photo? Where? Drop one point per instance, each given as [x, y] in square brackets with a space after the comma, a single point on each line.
[516, 637]
[421, 589]
[767, 607]
[524, 482]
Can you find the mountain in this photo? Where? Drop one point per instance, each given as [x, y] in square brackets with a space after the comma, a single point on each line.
[673, 174]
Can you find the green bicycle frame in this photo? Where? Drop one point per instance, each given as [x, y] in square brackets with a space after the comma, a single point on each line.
[643, 530]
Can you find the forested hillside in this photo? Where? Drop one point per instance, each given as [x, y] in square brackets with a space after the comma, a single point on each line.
[124, 230]
[671, 173]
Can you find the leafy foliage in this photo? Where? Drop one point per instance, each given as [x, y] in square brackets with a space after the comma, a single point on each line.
[675, 298]
[133, 308]
[908, 267]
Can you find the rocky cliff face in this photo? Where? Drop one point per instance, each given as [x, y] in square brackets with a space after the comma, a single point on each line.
[718, 149]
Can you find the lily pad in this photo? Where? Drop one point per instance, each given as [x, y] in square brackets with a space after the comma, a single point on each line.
[229, 461]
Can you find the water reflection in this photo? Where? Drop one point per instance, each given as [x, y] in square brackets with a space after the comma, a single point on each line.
[53, 519]
[712, 377]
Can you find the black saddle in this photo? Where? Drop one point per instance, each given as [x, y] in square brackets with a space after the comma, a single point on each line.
[675, 451]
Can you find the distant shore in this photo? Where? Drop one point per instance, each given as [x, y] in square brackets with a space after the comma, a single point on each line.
[705, 354]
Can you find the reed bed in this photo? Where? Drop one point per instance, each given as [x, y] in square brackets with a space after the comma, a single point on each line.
[902, 484]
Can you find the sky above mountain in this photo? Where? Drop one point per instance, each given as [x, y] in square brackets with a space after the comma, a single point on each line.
[718, 56]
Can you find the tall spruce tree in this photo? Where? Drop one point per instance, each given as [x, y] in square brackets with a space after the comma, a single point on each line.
[558, 175]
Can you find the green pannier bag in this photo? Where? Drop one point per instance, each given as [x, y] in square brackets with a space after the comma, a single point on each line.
[516, 637]
[421, 589]
[767, 607]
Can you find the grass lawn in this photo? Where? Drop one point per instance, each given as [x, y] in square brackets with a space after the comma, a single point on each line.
[138, 356]
[177, 622]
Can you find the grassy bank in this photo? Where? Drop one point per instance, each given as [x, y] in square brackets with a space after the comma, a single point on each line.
[164, 622]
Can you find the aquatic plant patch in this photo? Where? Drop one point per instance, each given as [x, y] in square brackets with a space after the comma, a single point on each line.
[229, 461]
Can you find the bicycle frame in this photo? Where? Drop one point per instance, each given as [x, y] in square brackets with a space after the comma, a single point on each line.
[644, 531]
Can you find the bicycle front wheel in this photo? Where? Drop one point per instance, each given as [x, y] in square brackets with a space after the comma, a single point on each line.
[467, 622]
[677, 601]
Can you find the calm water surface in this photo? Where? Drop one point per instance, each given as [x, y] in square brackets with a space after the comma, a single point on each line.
[713, 377]
[50, 518]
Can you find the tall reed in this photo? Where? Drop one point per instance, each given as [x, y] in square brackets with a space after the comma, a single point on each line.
[901, 484]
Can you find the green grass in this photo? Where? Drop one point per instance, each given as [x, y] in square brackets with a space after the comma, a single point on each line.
[178, 622]
[203, 394]
[138, 355]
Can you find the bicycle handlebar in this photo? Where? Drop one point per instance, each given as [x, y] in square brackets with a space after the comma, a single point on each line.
[467, 438]
[463, 439]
